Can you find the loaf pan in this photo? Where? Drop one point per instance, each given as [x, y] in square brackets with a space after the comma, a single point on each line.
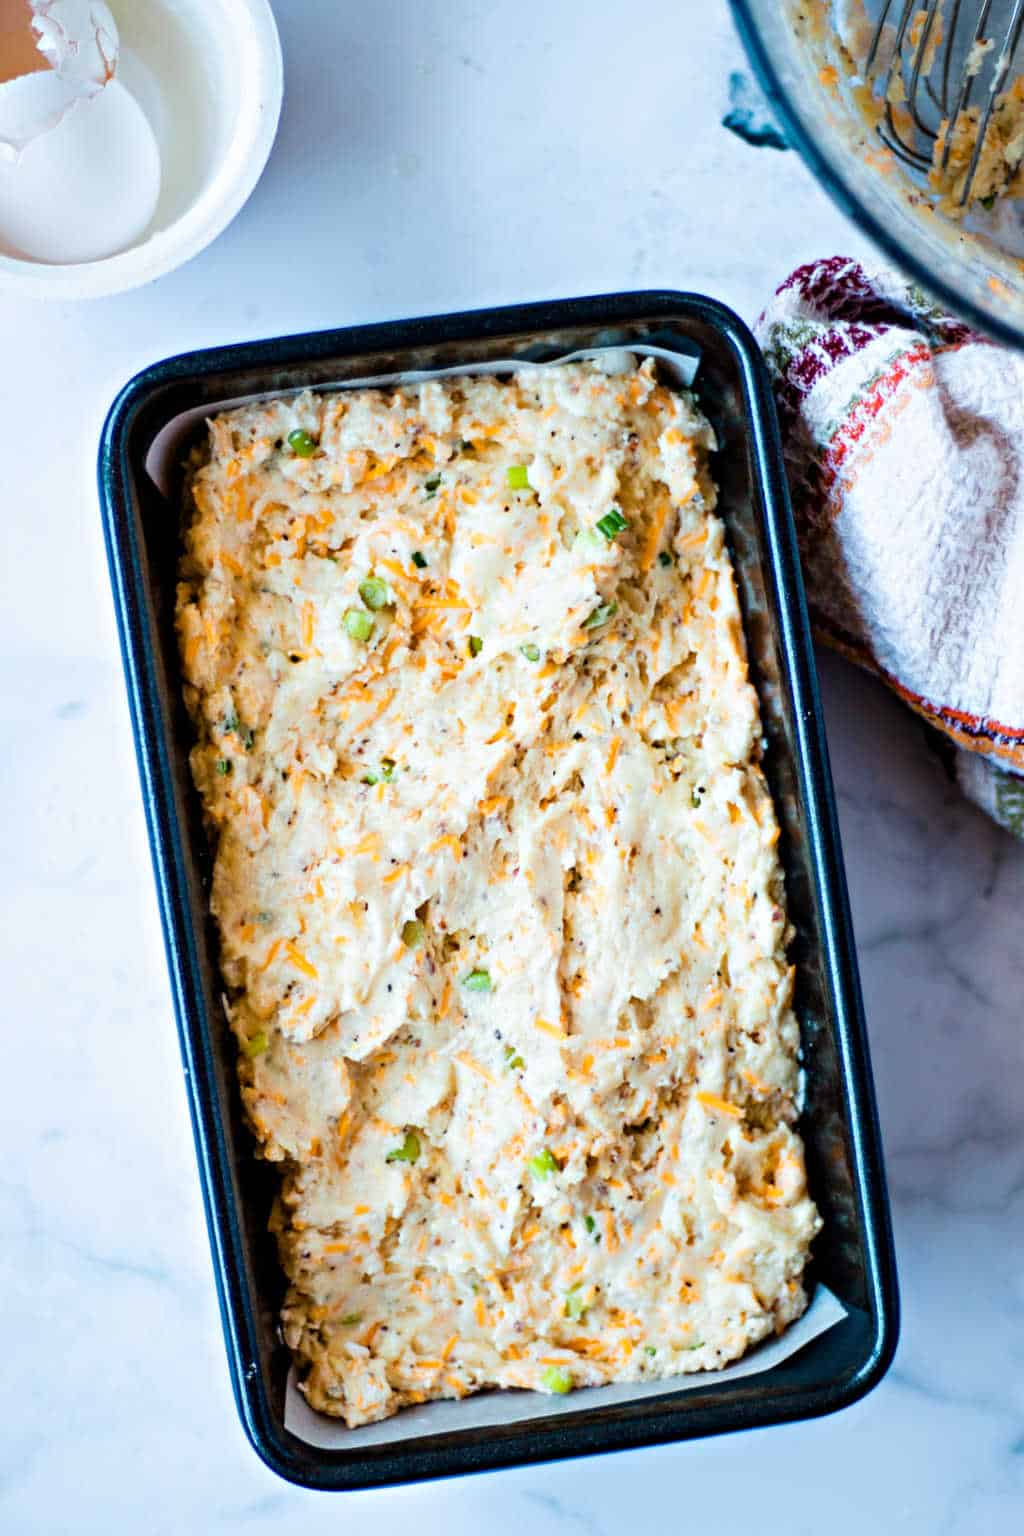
[853, 1255]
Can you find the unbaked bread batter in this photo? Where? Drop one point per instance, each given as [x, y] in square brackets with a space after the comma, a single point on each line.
[501, 915]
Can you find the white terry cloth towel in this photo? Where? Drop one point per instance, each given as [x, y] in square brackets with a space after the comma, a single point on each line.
[903, 433]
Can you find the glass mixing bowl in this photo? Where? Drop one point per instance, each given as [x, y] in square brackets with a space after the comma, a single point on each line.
[965, 269]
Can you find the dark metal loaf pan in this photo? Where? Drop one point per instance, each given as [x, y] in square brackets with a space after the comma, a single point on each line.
[853, 1255]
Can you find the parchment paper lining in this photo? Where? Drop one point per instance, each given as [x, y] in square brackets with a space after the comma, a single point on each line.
[681, 364]
[507, 1407]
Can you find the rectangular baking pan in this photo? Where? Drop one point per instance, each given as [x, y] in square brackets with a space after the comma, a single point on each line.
[853, 1254]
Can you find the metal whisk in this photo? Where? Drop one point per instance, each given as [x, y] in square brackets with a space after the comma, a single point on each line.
[941, 62]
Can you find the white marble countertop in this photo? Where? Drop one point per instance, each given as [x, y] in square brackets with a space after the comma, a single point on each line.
[439, 155]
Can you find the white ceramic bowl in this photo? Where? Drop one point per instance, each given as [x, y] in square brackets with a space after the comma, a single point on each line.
[208, 75]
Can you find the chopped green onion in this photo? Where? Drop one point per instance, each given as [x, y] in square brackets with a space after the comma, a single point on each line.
[477, 981]
[230, 722]
[419, 560]
[430, 486]
[554, 1378]
[601, 614]
[358, 623]
[697, 1344]
[591, 1226]
[518, 477]
[513, 1061]
[412, 933]
[387, 769]
[988, 202]
[351, 1318]
[575, 1305]
[612, 523]
[223, 765]
[695, 797]
[370, 778]
[542, 1165]
[531, 652]
[476, 645]
[664, 558]
[649, 1349]
[408, 1152]
[256, 1045]
[374, 592]
[301, 444]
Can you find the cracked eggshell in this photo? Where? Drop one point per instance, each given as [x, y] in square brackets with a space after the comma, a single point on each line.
[78, 45]
[207, 75]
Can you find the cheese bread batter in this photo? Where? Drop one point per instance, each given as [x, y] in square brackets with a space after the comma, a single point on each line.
[501, 914]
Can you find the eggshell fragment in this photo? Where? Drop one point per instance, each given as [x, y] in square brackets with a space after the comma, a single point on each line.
[77, 43]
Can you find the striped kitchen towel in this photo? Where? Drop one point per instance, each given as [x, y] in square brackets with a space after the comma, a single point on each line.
[903, 432]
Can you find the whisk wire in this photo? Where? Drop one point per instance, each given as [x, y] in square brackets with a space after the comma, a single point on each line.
[947, 57]
[963, 100]
[876, 36]
[920, 55]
